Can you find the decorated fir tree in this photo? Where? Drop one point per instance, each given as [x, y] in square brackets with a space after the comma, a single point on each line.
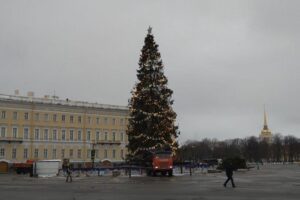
[152, 120]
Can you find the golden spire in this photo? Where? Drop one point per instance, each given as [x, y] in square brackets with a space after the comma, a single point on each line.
[265, 119]
[265, 132]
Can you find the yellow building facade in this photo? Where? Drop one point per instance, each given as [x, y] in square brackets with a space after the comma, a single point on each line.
[49, 128]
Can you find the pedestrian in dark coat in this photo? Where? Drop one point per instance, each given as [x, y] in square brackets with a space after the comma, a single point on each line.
[229, 173]
[69, 173]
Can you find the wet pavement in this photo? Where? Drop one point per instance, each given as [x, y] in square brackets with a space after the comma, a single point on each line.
[269, 182]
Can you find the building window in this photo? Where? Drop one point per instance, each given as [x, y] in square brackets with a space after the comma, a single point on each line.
[3, 114]
[15, 115]
[105, 136]
[122, 154]
[97, 153]
[88, 153]
[2, 152]
[54, 134]
[15, 132]
[98, 120]
[89, 120]
[97, 135]
[71, 135]
[46, 117]
[3, 131]
[113, 121]
[79, 119]
[62, 153]
[36, 116]
[79, 135]
[54, 153]
[46, 134]
[14, 153]
[26, 133]
[25, 153]
[63, 118]
[71, 153]
[88, 135]
[105, 121]
[114, 153]
[122, 136]
[63, 135]
[71, 119]
[36, 153]
[26, 116]
[54, 117]
[45, 153]
[114, 136]
[79, 153]
[105, 153]
[37, 134]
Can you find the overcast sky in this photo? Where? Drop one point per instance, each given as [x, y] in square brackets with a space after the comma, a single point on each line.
[224, 59]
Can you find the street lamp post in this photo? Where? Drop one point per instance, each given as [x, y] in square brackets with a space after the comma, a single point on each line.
[93, 151]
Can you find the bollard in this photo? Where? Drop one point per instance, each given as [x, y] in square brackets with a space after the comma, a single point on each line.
[181, 170]
[190, 170]
[129, 171]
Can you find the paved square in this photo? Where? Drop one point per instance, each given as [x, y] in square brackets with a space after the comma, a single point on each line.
[269, 182]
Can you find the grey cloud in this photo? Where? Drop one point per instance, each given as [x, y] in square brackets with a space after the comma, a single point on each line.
[223, 59]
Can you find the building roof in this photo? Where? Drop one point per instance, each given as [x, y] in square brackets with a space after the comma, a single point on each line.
[56, 101]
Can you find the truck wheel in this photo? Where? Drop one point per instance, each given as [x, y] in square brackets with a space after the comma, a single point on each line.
[154, 173]
[149, 173]
[170, 173]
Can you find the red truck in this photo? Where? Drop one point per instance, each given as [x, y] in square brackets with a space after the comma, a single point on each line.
[160, 162]
[23, 168]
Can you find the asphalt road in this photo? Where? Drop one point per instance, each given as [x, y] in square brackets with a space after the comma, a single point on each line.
[269, 182]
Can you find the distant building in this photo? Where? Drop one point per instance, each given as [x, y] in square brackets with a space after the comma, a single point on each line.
[49, 128]
[265, 132]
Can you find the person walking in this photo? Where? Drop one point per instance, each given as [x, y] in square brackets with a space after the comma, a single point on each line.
[69, 173]
[229, 174]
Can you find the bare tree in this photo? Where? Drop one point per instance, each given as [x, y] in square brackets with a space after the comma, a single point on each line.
[290, 148]
[276, 148]
[252, 149]
[264, 150]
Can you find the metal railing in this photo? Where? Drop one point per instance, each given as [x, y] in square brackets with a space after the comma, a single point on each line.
[10, 139]
[118, 142]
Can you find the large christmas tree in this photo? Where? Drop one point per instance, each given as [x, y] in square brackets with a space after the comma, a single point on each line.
[152, 119]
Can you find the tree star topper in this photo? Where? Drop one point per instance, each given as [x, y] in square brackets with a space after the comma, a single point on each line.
[149, 30]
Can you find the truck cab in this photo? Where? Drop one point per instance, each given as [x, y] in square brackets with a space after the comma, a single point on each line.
[162, 162]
